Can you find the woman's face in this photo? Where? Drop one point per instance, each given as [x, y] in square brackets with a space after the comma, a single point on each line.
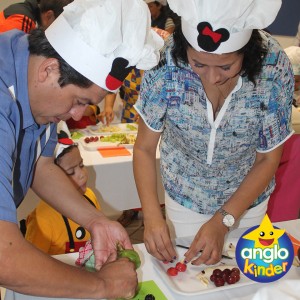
[154, 9]
[215, 69]
[72, 164]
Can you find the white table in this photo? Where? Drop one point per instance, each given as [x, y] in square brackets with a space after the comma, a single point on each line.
[147, 272]
[112, 180]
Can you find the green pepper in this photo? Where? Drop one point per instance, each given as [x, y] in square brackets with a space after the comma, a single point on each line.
[131, 254]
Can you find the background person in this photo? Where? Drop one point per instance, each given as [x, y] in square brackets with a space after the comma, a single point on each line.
[45, 77]
[29, 14]
[222, 112]
[49, 230]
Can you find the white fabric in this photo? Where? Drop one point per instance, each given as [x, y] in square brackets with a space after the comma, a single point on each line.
[185, 222]
[90, 34]
[293, 53]
[238, 17]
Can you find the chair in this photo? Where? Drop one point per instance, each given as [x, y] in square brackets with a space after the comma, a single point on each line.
[284, 203]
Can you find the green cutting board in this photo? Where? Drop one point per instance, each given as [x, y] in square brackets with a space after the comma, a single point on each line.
[149, 287]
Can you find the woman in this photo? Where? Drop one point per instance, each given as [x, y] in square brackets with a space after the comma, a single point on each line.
[160, 17]
[222, 111]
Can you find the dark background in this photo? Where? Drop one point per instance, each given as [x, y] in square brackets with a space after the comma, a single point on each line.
[287, 20]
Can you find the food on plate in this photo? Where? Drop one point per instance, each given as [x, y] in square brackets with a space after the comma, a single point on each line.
[108, 129]
[131, 127]
[181, 267]
[172, 271]
[131, 254]
[149, 297]
[121, 138]
[219, 275]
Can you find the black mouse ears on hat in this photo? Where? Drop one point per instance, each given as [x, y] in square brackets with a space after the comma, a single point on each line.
[210, 40]
[118, 73]
[63, 138]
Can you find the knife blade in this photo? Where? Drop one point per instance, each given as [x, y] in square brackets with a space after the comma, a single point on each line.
[186, 247]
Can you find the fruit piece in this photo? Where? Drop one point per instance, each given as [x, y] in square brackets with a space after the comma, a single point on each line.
[181, 267]
[96, 139]
[217, 272]
[87, 140]
[219, 281]
[149, 297]
[231, 279]
[172, 271]
[131, 254]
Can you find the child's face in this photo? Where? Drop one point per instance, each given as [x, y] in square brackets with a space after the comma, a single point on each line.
[73, 166]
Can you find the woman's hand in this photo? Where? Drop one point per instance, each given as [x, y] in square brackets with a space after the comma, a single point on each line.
[157, 239]
[106, 116]
[210, 240]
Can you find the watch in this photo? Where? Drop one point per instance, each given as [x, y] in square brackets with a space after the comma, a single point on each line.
[228, 219]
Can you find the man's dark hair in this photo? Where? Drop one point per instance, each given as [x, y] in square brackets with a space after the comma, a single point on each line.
[39, 45]
[254, 53]
[55, 5]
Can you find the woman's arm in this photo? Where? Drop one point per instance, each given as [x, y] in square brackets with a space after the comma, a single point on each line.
[156, 236]
[210, 237]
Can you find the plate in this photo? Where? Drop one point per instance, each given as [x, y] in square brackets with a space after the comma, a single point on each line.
[94, 146]
[186, 283]
[149, 287]
[101, 129]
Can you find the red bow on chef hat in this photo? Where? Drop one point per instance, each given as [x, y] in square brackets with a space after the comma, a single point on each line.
[103, 39]
[63, 138]
[220, 26]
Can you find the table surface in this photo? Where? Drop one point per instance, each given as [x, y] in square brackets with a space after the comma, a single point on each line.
[148, 272]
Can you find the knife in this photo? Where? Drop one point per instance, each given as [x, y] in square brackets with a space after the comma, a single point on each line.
[186, 247]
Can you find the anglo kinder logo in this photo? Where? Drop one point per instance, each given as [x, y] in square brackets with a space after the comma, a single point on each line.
[264, 253]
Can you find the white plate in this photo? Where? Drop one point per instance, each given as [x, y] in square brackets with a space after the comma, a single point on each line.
[94, 146]
[101, 129]
[186, 283]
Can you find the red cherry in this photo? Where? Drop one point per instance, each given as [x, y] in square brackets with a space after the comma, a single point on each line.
[181, 267]
[217, 272]
[236, 270]
[96, 139]
[92, 139]
[231, 280]
[87, 140]
[219, 281]
[172, 271]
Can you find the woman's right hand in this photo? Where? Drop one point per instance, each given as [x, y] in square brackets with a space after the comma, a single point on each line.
[157, 239]
[106, 116]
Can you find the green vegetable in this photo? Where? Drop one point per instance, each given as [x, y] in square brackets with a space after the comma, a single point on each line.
[131, 127]
[131, 254]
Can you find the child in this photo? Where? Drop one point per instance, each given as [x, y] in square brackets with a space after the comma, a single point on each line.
[47, 229]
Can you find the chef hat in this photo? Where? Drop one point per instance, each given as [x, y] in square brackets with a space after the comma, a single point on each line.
[103, 39]
[63, 138]
[221, 26]
[162, 2]
[293, 53]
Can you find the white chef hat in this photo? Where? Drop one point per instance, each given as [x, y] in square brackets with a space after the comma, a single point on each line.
[293, 53]
[162, 2]
[63, 138]
[223, 26]
[104, 39]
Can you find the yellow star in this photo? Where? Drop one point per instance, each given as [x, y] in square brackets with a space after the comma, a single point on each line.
[264, 235]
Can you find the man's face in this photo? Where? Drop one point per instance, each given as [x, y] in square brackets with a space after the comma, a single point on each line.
[51, 103]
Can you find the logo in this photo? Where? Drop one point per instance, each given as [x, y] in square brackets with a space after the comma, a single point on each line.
[264, 253]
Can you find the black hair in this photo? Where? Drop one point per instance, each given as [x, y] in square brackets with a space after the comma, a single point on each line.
[39, 45]
[64, 152]
[254, 53]
[55, 5]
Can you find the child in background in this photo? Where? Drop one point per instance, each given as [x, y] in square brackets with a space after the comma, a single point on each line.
[47, 229]
[90, 117]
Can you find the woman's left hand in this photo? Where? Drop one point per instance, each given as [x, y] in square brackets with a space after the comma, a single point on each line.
[209, 240]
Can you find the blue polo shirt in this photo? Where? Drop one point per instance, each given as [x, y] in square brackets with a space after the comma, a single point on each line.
[22, 140]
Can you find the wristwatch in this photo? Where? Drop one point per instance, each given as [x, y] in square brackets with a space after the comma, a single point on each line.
[228, 219]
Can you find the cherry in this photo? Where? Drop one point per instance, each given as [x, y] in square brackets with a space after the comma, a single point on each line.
[96, 139]
[87, 140]
[172, 271]
[217, 272]
[180, 267]
[231, 280]
[219, 281]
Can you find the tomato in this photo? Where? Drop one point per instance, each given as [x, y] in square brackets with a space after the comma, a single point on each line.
[172, 271]
[180, 267]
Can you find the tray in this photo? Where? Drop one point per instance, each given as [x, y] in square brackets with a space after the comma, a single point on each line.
[94, 146]
[186, 283]
[104, 130]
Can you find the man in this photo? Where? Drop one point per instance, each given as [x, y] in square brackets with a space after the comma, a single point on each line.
[50, 76]
[27, 15]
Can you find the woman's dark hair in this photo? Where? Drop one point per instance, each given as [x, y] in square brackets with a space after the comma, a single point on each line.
[39, 45]
[254, 53]
[57, 6]
[64, 152]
